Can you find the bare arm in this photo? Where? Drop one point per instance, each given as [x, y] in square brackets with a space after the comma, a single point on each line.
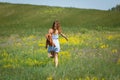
[63, 35]
[48, 34]
[50, 31]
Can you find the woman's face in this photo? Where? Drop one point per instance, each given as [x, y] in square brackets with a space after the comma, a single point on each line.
[55, 26]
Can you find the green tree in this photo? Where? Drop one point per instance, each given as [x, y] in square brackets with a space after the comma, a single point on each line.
[117, 8]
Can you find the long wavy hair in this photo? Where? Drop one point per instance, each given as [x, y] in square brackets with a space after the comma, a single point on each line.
[57, 25]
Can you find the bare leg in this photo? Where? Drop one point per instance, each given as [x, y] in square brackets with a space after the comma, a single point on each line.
[51, 55]
[56, 59]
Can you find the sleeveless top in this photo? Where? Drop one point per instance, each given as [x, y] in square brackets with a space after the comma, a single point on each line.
[55, 48]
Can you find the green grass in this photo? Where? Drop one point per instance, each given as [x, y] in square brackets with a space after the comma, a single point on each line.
[92, 52]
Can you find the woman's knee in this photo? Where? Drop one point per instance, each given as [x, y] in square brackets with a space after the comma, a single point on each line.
[56, 54]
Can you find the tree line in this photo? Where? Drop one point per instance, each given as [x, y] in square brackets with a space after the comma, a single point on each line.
[116, 8]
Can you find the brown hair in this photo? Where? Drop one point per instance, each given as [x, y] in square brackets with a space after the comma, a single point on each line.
[57, 25]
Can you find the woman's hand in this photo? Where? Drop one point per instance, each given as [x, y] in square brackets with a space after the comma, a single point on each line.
[66, 38]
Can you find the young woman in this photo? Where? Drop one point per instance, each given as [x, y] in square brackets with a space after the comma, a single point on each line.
[54, 32]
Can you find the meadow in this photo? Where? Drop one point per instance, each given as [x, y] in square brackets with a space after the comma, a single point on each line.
[91, 53]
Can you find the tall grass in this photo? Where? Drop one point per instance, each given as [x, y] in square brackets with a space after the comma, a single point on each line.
[92, 52]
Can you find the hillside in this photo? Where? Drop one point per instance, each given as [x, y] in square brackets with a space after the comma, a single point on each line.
[18, 16]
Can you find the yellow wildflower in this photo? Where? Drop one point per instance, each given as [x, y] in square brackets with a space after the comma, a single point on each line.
[41, 44]
[104, 46]
[98, 39]
[94, 78]
[31, 37]
[110, 37]
[29, 62]
[75, 40]
[50, 78]
[114, 51]
[5, 54]
[103, 79]
[94, 46]
[62, 41]
[118, 62]
[65, 53]
[8, 66]
[80, 79]
[87, 78]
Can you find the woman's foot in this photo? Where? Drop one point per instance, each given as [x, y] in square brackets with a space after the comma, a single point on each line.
[50, 55]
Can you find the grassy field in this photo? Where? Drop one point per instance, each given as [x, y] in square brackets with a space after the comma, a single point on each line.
[92, 52]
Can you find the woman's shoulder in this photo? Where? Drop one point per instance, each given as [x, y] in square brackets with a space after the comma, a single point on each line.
[50, 30]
